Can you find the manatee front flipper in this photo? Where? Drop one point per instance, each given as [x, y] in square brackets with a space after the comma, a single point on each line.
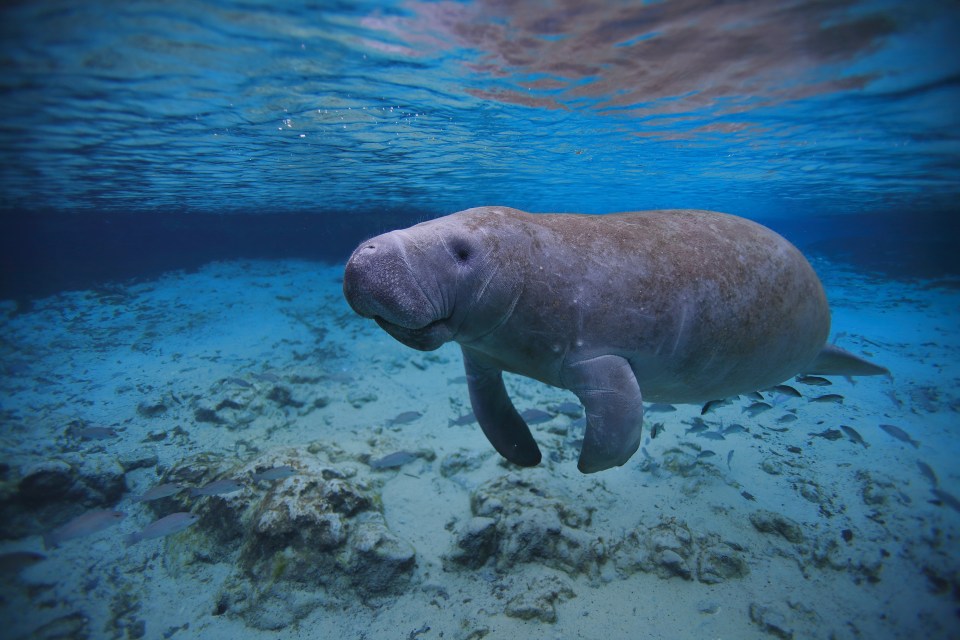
[611, 397]
[835, 361]
[498, 418]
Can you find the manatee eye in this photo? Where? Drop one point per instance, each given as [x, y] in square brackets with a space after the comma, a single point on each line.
[461, 251]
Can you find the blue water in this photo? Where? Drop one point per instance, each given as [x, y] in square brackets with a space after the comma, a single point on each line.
[144, 138]
[783, 109]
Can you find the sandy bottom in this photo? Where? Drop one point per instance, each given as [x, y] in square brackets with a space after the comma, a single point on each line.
[877, 556]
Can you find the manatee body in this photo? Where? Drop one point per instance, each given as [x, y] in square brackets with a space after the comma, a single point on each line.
[679, 306]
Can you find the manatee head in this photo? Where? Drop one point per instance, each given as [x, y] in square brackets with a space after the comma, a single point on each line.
[437, 281]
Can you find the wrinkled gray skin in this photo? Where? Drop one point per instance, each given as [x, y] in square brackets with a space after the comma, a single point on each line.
[684, 306]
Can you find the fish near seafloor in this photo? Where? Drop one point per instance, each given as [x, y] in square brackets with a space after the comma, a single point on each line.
[928, 473]
[711, 435]
[97, 433]
[834, 398]
[83, 525]
[661, 407]
[459, 421]
[900, 434]
[274, 473]
[567, 408]
[559, 298]
[947, 498]
[656, 430]
[393, 460]
[854, 436]
[785, 390]
[829, 434]
[163, 527]
[13, 562]
[160, 491]
[217, 488]
[710, 405]
[756, 408]
[536, 416]
[404, 418]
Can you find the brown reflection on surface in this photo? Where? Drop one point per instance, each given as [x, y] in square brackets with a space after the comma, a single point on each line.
[631, 57]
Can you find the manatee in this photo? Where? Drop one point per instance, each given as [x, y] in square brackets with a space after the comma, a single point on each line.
[671, 306]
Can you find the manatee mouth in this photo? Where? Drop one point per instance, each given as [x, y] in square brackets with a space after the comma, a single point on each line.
[426, 338]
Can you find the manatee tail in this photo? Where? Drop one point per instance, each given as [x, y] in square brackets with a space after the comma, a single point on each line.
[834, 361]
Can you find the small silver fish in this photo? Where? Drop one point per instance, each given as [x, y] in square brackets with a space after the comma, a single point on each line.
[786, 390]
[697, 428]
[97, 433]
[733, 428]
[787, 417]
[266, 377]
[928, 473]
[828, 434]
[947, 499]
[83, 525]
[900, 434]
[404, 418]
[394, 460]
[757, 408]
[835, 398]
[467, 418]
[706, 453]
[660, 407]
[535, 416]
[656, 430]
[814, 381]
[571, 409]
[853, 435]
[217, 487]
[711, 435]
[729, 458]
[713, 404]
[240, 382]
[274, 473]
[163, 527]
[14, 562]
[160, 491]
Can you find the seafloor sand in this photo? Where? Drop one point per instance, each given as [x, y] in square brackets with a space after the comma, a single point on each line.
[794, 536]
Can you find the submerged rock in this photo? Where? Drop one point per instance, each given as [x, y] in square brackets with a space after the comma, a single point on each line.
[47, 494]
[720, 563]
[476, 543]
[515, 521]
[75, 626]
[295, 539]
[769, 522]
[771, 620]
[879, 490]
[462, 461]
[667, 549]
[538, 600]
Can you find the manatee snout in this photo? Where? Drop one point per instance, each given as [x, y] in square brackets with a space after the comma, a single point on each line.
[380, 283]
[377, 283]
[361, 282]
